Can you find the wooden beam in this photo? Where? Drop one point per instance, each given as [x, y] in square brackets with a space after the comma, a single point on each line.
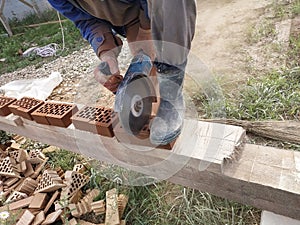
[207, 156]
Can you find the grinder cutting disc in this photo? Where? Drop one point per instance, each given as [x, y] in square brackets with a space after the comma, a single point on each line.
[137, 104]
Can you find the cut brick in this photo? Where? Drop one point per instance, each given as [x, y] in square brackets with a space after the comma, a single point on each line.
[28, 186]
[76, 197]
[8, 168]
[26, 218]
[15, 196]
[50, 182]
[4, 103]
[29, 170]
[39, 218]
[80, 168]
[39, 201]
[18, 155]
[56, 114]
[98, 207]
[10, 181]
[74, 181]
[97, 120]
[122, 202]
[19, 204]
[52, 217]
[36, 156]
[112, 213]
[39, 168]
[24, 107]
[51, 201]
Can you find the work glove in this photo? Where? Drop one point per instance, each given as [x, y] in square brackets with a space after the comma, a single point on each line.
[107, 72]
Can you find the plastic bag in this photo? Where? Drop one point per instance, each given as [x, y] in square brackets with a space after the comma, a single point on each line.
[35, 88]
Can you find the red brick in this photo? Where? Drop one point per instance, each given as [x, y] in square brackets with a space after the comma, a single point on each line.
[39, 201]
[4, 103]
[26, 218]
[39, 218]
[56, 114]
[24, 107]
[97, 120]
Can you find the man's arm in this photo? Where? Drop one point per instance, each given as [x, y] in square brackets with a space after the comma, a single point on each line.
[97, 32]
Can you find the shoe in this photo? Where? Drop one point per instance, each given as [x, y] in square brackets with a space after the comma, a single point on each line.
[167, 124]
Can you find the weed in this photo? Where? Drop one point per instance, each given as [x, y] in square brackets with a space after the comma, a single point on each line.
[4, 137]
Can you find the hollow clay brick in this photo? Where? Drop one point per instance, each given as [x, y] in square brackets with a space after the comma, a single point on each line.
[97, 120]
[50, 182]
[39, 218]
[8, 168]
[15, 196]
[4, 103]
[26, 218]
[76, 197]
[56, 114]
[80, 168]
[19, 155]
[52, 217]
[36, 156]
[141, 139]
[74, 181]
[24, 107]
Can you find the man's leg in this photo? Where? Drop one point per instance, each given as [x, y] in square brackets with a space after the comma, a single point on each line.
[173, 27]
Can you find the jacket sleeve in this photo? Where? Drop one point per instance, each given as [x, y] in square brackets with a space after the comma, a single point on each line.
[91, 28]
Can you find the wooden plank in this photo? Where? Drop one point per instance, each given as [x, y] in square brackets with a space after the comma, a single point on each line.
[207, 156]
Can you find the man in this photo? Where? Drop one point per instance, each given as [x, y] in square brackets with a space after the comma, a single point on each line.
[172, 24]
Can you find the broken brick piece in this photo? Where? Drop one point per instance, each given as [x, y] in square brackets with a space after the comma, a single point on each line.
[15, 196]
[9, 168]
[39, 201]
[99, 120]
[74, 181]
[26, 218]
[4, 103]
[98, 207]
[36, 156]
[51, 201]
[29, 170]
[39, 218]
[80, 168]
[75, 198]
[24, 107]
[122, 202]
[19, 155]
[39, 168]
[28, 186]
[20, 204]
[73, 221]
[52, 217]
[112, 213]
[10, 181]
[49, 182]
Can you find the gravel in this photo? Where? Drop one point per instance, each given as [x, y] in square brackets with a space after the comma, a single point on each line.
[78, 84]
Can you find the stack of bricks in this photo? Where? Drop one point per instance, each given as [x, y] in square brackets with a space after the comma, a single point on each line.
[38, 195]
[98, 120]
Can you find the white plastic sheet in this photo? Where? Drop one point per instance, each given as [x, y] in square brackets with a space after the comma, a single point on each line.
[35, 88]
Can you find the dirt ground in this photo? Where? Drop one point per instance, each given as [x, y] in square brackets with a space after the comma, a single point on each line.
[222, 39]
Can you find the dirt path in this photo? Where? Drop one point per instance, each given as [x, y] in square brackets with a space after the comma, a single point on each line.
[220, 42]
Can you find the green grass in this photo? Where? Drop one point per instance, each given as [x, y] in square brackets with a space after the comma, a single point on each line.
[25, 37]
[275, 96]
